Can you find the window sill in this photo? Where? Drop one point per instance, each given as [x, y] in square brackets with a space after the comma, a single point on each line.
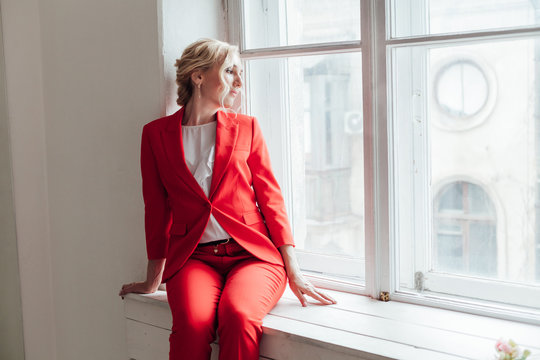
[355, 328]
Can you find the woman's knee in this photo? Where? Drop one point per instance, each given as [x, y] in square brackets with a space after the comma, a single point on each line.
[193, 322]
[237, 317]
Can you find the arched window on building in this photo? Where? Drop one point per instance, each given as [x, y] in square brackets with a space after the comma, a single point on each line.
[464, 231]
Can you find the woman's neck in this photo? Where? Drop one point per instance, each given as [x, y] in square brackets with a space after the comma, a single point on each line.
[197, 114]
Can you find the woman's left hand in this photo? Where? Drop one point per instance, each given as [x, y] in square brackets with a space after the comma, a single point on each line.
[298, 284]
[300, 287]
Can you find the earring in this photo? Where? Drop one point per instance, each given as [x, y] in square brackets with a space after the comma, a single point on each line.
[199, 92]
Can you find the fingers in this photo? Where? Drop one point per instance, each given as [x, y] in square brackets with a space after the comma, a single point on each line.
[128, 288]
[327, 297]
[307, 289]
[319, 296]
[124, 291]
[300, 297]
[136, 287]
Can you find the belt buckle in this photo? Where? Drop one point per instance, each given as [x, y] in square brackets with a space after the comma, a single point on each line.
[223, 243]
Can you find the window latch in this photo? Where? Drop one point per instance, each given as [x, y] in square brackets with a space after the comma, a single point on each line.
[419, 281]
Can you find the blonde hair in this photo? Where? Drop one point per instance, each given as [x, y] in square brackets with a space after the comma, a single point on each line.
[202, 55]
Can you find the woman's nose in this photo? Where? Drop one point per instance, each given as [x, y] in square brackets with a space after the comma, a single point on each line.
[237, 81]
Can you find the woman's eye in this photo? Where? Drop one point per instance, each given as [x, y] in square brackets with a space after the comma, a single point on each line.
[229, 71]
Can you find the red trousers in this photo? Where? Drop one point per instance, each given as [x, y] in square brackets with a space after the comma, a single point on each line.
[230, 291]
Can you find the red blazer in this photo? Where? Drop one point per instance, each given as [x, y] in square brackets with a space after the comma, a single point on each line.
[244, 196]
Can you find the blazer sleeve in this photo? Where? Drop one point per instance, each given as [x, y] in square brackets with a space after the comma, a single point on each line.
[267, 191]
[157, 212]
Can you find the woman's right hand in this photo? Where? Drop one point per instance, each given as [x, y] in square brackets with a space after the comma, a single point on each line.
[137, 287]
[154, 272]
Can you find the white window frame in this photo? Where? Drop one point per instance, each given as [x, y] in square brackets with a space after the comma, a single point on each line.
[277, 137]
[381, 223]
[495, 294]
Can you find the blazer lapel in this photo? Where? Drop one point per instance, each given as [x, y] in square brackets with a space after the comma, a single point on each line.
[226, 134]
[174, 147]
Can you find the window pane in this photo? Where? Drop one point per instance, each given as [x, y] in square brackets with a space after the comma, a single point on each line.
[274, 23]
[451, 199]
[323, 117]
[464, 242]
[449, 250]
[426, 17]
[461, 88]
[468, 181]
[483, 249]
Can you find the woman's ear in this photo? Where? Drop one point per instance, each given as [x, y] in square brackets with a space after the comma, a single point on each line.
[197, 77]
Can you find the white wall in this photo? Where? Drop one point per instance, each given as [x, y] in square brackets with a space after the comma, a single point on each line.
[82, 79]
[183, 23]
[11, 330]
[22, 51]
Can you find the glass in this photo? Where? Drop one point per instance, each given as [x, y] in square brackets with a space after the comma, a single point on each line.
[449, 252]
[451, 200]
[480, 184]
[430, 17]
[323, 118]
[273, 23]
[464, 241]
[483, 249]
[461, 88]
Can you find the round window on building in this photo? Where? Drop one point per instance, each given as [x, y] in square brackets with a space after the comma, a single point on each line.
[463, 93]
[461, 89]
[464, 231]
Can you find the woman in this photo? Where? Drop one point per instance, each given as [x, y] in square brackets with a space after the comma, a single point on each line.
[216, 228]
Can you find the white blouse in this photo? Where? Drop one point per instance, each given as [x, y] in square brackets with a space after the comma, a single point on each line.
[199, 151]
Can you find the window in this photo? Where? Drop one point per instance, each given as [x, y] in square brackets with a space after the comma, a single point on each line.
[464, 87]
[309, 105]
[462, 107]
[405, 136]
[464, 228]
[461, 89]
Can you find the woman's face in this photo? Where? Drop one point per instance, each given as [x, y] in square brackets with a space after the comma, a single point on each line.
[212, 87]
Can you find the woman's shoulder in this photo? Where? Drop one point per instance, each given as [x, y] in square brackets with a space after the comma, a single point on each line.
[160, 123]
[242, 119]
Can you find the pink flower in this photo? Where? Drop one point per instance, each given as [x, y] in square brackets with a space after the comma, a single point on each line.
[509, 350]
[503, 346]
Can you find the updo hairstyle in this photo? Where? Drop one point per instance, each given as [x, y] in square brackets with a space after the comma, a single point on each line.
[202, 55]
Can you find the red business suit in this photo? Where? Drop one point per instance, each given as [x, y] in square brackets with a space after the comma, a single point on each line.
[244, 198]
